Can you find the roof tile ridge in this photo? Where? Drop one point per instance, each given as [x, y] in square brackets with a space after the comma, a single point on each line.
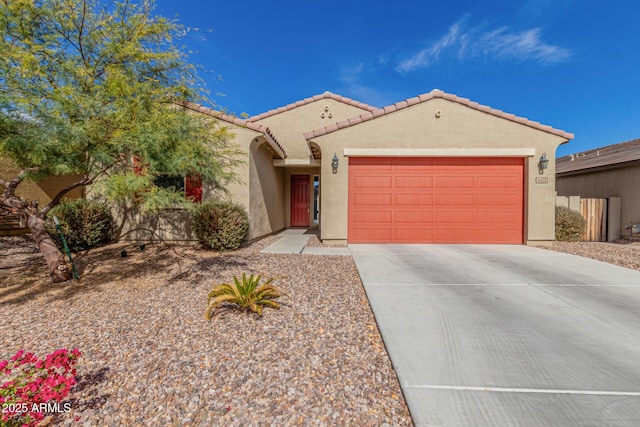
[273, 137]
[299, 103]
[605, 150]
[211, 112]
[231, 119]
[437, 93]
[508, 116]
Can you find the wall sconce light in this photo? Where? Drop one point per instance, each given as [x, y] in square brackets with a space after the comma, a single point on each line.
[334, 163]
[543, 163]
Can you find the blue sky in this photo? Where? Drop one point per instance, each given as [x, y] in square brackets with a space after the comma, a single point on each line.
[571, 64]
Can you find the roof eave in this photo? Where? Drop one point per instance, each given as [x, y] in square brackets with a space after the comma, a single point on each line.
[305, 101]
[268, 134]
[598, 168]
[436, 93]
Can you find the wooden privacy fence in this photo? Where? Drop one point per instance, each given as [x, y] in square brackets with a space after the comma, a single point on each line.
[595, 212]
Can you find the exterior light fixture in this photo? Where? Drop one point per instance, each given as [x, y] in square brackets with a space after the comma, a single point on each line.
[334, 163]
[543, 164]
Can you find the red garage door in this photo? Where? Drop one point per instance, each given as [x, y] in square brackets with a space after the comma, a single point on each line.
[435, 200]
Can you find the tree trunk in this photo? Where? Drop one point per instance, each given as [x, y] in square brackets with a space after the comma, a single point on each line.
[58, 268]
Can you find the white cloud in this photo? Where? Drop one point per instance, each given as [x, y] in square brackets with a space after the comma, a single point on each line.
[349, 73]
[463, 42]
[352, 78]
[536, 9]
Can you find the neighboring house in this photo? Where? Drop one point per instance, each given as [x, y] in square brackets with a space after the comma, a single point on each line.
[43, 192]
[434, 168]
[611, 171]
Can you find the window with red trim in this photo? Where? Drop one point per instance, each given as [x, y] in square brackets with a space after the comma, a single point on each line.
[190, 186]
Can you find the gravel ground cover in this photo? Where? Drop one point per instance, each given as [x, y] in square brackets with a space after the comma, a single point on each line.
[624, 254]
[314, 241]
[150, 357]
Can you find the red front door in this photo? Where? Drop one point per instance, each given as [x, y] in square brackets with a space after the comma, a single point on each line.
[300, 189]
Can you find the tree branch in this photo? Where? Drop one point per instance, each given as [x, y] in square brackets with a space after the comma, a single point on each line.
[84, 181]
[13, 184]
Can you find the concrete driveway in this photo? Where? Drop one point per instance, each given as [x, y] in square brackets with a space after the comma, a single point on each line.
[492, 335]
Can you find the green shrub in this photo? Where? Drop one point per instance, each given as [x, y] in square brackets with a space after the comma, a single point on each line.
[220, 225]
[85, 224]
[570, 225]
[248, 294]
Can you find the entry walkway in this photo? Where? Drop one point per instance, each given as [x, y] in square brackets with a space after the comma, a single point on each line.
[294, 240]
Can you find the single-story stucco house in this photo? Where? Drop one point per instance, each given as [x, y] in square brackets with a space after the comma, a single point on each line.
[434, 168]
[605, 172]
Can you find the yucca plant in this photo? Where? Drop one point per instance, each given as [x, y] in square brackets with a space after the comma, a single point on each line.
[248, 294]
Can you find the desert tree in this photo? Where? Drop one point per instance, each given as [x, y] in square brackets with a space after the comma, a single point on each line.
[91, 89]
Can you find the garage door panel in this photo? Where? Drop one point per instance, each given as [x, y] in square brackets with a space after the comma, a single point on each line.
[373, 199]
[412, 163]
[455, 217]
[499, 182]
[453, 235]
[413, 200]
[373, 217]
[410, 236]
[455, 200]
[414, 217]
[413, 181]
[457, 182]
[499, 218]
[497, 200]
[375, 235]
[491, 236]
[377, 182]
[443, 200]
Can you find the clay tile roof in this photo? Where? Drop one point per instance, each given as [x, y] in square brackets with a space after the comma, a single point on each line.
[437, 93]
[273, 141]
[611, 156]
[326, 95]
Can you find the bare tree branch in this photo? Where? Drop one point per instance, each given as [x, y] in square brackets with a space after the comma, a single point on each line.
[86, 180]
[13, 184]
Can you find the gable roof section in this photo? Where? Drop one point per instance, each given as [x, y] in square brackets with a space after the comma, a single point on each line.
[269, 136]
[610, 155]
[436, 93]
[326, 95]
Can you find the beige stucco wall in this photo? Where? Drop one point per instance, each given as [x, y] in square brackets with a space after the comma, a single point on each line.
[258, 187]
[459, 127]
[42, 191]
[266, 192]
[620, 182]
[290, 126]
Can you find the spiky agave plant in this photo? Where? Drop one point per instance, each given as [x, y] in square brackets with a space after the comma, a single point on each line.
[248, 293]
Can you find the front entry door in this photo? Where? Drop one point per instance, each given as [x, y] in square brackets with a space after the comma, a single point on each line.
[300, 191]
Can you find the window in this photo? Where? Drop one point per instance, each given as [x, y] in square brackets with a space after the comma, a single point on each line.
[191, 186]
[168, 181]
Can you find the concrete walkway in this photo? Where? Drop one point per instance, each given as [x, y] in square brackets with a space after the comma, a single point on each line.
[500, 335]
[293, 241]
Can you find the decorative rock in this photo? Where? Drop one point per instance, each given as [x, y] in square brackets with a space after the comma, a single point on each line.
[151, 359]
